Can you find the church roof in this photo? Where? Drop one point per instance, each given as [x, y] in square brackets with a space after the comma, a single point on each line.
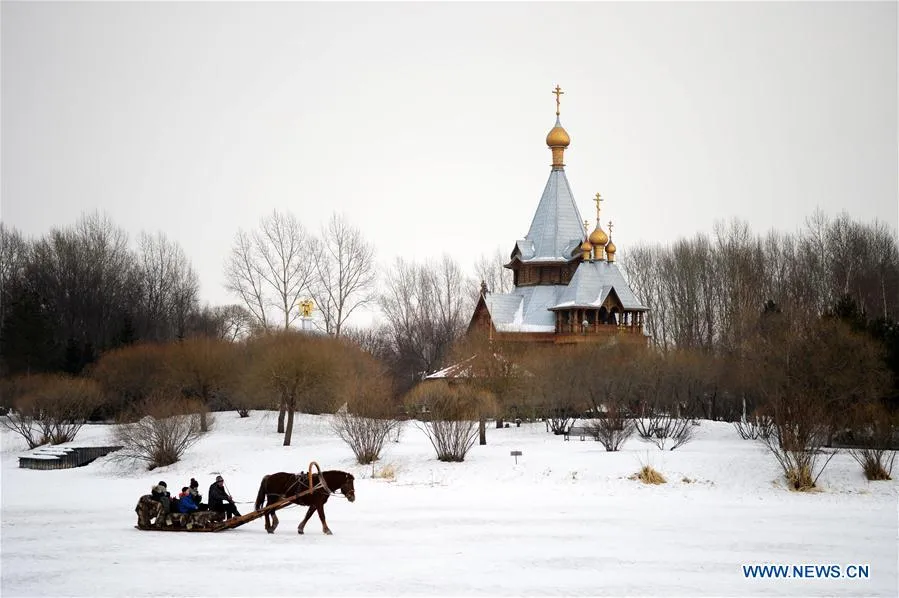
[524, 309]
[529, 309]
[556, 228]
[591, 284]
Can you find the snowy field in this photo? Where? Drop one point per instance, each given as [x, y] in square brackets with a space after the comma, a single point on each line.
[565, 520]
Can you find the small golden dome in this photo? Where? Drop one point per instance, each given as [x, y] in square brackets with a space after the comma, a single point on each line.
[586, 245]
[558, 137]
[598, 237]
[610, 248]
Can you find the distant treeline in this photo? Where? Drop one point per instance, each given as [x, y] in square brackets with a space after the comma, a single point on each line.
[78, 292]
[707, 292]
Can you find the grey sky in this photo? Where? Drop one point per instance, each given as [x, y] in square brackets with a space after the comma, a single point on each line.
[425, 123]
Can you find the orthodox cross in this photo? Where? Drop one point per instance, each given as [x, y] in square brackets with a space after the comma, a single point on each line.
[586, 226]
[597, 200]
[610, 229]
[558, 91]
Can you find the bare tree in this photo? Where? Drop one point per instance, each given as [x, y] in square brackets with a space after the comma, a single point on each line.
[490, 270]
[427, 307]
[169, 288]
[270, 269]
[85, 278]
[643, 267]
[13, 259]
[344, 273]
[244, 279]
[236, 323]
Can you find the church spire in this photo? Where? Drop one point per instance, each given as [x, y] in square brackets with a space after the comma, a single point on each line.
[598, 237]
[610, 248]
[558, 138]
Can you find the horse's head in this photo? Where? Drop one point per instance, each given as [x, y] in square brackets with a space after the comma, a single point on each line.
[347, 488]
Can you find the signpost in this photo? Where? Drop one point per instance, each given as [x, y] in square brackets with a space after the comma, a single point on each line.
[516, 454]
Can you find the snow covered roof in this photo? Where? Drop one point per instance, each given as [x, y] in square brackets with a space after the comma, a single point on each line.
[529, 309]
[463, 369]
[591, 284]
[524, 309]
[457, 370]
[556, 228]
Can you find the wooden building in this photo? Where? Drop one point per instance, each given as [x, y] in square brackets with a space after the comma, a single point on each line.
[567, 287]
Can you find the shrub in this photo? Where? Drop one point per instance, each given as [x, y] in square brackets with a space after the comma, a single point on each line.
[23, 424]
[613, 429]
[798, 432]
[875, 437]
[364, 435]
[369, 416]
[65, 404]
[754, 427]
[167, 428]
[50, 407]
[877, 464]
[661, 426]
[452, 413]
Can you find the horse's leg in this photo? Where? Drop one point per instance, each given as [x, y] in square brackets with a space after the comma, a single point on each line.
[268, 525]
[321, 515]
[275, 522]
[302, 524]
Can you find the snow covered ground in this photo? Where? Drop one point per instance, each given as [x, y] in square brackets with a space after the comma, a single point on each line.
[565, 520]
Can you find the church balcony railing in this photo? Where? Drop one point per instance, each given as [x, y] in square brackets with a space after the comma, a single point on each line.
[599, 329]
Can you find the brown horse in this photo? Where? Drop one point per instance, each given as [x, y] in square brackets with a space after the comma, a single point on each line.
[277, 486]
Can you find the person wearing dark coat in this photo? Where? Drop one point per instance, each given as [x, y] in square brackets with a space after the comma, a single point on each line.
[220, 501]
[160, 493]
[195, 495]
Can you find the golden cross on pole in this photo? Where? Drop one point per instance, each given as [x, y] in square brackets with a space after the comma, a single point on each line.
[558, 91]
[598, 199]
[610, 229]
[586, 226]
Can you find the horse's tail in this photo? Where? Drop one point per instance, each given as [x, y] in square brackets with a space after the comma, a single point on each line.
[260, 498]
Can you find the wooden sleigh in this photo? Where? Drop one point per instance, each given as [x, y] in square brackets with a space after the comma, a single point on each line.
[183, 520]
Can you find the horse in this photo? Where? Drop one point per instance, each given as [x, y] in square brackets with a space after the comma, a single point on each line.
[277, 486]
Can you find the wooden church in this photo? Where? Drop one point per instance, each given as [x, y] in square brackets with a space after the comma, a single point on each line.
[567, 287]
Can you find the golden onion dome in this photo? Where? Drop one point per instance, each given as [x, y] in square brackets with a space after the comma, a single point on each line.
[558, 136]
[598, 237]
[610, 248]
[586, 245]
